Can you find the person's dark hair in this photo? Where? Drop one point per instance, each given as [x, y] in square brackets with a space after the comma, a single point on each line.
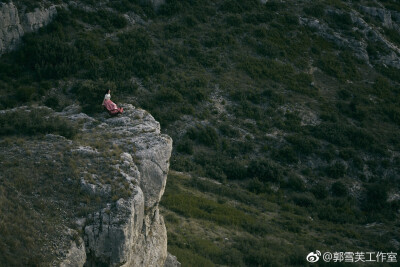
[107, 91]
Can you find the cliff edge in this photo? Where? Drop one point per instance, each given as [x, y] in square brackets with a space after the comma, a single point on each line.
[116, 167]
[130, 231]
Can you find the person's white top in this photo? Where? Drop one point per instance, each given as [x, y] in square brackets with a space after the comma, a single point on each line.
[107, 97]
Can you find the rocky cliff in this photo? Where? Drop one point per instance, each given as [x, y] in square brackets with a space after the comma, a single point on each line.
[130, 231]
[14, 24]
[123, 163]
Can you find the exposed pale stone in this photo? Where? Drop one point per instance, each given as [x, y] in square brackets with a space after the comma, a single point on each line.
[171, 261]
[13, 25]
[131, 232]
[76, 255]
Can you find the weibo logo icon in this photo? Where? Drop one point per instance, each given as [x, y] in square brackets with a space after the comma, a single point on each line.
[313, 257]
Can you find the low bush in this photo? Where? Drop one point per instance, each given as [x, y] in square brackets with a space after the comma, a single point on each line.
[36, 121]
[295, 183]
[303, 144]
[336, 170]
[319, 191]
[339, 21]
[205, 135]
[315, 10]
[265, 170]
[235, 169]
[185, 146]
[344, 135]
[304, 200]
[339, 189]
[197, 207]
[338, 210]
[286, 154]
[376, 197]
[106, 19]
[258, 187]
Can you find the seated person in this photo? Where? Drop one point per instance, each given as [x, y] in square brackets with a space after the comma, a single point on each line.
[111, 106]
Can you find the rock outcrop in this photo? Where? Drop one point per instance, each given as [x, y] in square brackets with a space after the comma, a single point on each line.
[123, 162]
[369, 33]
[13, 24]
[172, 261]
[130, 231]
[384, 15]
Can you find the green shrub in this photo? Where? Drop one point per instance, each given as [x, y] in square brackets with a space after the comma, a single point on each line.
[344, 135]
[104, 18]
[169, 95]
[52, 102]
[25, 93]
[185, 146]
[390, 72]
[303, 200]
[339, 211]
[347, 153]
[339, 189]
[192, 206]
[286, 154]
[316, 10]
[303, 144]
[235, 170]
[376, 197]
[258, 187]
[331, 65]
[336, 170]
[36, 121]
[237, 6]
[49, 56]
[265, 170]
[393, 112]
[206, 135]
[266, 69]
[292, 121]
[319, 191]
[339, 21]
[184, 164]
[227, 130]
[296, 183]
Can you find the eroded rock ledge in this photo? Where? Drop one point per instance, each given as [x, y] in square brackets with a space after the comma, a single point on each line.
[133, 156]
[130, 232]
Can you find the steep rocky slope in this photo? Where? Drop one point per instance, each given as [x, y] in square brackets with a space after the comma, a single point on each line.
[284, 116]
[14, 23]
[134, 157]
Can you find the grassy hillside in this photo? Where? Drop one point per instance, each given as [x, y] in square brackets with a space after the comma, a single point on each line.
[299, 129]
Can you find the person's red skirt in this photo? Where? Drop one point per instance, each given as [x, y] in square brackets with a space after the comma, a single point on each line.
[112, 108]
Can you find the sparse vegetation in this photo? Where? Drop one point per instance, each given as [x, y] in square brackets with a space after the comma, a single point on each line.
[283, 120]
[35, 121]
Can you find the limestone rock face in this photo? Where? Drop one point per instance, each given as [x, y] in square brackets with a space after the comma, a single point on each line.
[14, 25]
[130, 231]
[172, 261]
[40, 17]
[369, 33]
[132, 157]
[10, 27]
[384, 15]
[76, 255]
